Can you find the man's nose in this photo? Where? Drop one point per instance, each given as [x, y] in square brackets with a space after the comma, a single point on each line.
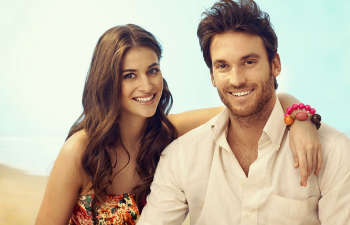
[236, 78]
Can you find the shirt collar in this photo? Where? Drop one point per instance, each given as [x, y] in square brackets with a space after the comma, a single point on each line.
[218, 127]
[219, 123]
[275, 127]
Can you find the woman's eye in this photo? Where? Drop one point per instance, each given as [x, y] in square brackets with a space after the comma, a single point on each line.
[129, 76]
[153, 71]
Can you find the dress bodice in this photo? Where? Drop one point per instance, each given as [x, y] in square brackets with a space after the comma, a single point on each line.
[116, 209]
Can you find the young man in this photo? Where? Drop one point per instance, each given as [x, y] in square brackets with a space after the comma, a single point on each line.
[236, 169]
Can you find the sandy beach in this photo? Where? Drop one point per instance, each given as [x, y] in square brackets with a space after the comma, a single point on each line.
[20, 196]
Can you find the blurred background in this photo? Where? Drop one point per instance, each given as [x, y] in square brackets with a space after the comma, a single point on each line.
[46, 48]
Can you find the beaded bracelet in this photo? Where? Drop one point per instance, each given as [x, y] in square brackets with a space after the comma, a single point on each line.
[301, 115]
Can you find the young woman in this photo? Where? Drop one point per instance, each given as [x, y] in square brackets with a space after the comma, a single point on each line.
[103, 172]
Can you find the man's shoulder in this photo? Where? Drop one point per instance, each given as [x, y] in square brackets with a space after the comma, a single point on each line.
[191, 154]
[333, 141]
[329, 134]
[197, 134]
[335, 148]
[193, 140]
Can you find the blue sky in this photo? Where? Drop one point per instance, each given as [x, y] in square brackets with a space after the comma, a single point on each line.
[46, 48]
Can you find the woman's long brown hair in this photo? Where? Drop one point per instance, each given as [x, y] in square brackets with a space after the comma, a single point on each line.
[100, 117]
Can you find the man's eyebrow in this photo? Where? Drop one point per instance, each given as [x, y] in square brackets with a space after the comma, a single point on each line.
[250, 55]
[219, 61]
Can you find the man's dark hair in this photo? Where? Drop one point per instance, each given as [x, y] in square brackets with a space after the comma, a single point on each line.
[242, 16]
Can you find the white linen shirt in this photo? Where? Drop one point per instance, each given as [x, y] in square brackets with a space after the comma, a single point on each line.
[199, 174]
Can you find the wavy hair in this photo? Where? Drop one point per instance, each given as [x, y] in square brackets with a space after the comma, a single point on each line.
[102, 108]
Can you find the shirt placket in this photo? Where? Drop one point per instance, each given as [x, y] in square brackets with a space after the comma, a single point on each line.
[254, 186]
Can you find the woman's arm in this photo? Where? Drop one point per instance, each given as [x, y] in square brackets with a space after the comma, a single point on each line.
[188, 120]
[64, 184]
[304, 143]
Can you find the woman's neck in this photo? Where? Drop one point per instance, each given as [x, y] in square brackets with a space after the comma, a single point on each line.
[131, 130]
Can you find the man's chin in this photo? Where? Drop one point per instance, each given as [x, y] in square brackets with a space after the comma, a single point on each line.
[242, 112]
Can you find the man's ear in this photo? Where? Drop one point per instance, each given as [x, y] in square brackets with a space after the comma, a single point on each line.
[276, 65]
[212, 79]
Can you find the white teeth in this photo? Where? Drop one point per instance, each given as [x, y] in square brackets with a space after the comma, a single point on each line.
[241, 93]
[145, 99]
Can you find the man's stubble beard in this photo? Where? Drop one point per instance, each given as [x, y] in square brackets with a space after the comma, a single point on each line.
[259, 109]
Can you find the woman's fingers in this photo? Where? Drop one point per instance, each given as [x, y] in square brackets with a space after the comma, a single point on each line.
[294, 152]
[303, 167]
[319, 162]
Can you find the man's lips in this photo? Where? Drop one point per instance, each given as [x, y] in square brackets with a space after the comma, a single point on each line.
[240, 93]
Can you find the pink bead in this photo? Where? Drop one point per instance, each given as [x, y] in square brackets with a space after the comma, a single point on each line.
[312, 111]
[295, 106]
[301, 116]
[301, 106]
[289, 110]
[286, 114]
[307, 107]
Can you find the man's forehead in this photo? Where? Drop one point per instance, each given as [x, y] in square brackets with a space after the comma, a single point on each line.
[236, 44]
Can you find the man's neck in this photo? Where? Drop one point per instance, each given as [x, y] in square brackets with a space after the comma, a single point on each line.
[244, 134]
[247, 130]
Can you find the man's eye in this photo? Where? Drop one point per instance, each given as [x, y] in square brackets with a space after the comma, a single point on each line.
[250, 62]
[129, 76]
[221, 66]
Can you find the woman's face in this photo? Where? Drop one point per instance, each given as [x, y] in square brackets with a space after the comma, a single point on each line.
[141, 82]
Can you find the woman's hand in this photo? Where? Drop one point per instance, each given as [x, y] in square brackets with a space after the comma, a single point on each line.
[305, 144]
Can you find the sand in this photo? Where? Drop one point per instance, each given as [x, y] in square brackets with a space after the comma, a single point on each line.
[20, 196]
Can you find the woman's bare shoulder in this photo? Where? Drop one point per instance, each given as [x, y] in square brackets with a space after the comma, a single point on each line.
[72, 153]
[76, 144]
[67, 180]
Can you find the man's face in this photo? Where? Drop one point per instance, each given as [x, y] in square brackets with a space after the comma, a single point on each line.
[242, 73]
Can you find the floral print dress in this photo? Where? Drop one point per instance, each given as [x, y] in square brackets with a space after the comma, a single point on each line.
[117, 210]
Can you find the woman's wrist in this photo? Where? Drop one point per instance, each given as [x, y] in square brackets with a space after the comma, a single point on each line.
[301, 112]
